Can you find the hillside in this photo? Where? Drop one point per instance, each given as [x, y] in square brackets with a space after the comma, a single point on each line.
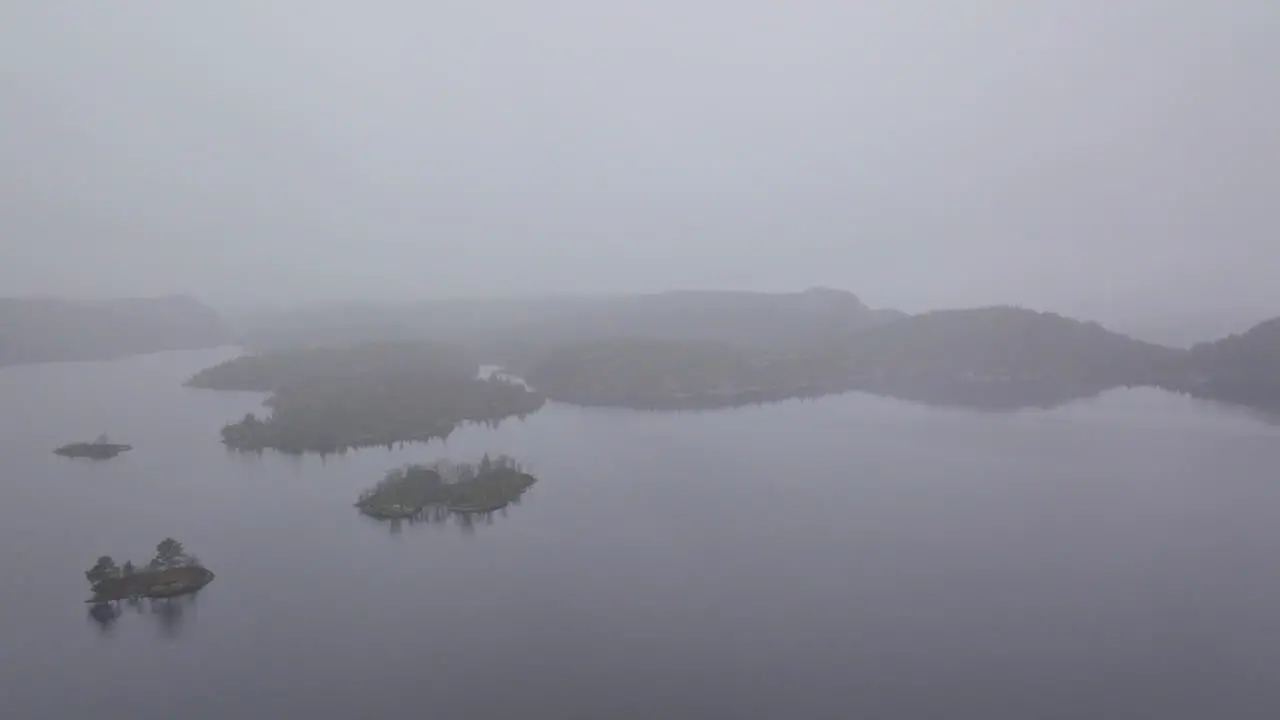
[1242, 369]
[1001, 357]
[36, 330]
[715, 349]
[331, 366]
[674, 374]
[516, 332]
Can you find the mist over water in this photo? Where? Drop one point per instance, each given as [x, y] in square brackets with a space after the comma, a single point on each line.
[808, 559]
[886, 190]
[1107, 161]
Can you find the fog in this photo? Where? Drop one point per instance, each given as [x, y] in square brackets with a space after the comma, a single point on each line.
[1093, 157]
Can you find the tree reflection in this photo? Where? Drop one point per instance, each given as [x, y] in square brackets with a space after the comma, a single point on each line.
[104, 616]
[170, 614]
[440, 515]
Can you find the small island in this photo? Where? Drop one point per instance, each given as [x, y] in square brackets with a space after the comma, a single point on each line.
[330, 400]
[171, 573]
[463, 488]
[100, 449]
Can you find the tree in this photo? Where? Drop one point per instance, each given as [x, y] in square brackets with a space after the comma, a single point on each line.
[169, 553]
[103, 570]
[127, 569]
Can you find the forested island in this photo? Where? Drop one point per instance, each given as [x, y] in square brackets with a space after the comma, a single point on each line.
[465, 488]
[34, 330]
[170, 573]
[330, 400]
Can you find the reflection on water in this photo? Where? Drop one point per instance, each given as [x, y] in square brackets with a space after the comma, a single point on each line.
[443, 516]
[169, 614]
[105, 616]
[172, 614]
[853, 556]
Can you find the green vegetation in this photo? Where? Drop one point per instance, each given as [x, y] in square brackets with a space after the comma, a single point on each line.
[403, 493]
[407, 492]
[100, 449]
[170, 573]
[329, 400]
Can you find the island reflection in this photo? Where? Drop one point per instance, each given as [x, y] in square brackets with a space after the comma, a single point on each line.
[170, 614]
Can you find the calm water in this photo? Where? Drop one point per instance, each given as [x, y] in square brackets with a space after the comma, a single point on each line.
[849, 557]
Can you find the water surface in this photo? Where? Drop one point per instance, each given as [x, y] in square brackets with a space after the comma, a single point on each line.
[846, 557]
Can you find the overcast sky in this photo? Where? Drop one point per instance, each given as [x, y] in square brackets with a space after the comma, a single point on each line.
[1059, 153]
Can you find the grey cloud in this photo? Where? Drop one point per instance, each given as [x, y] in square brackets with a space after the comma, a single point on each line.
[1076, 155]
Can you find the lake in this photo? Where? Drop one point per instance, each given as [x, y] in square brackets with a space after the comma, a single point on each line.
[846, 557]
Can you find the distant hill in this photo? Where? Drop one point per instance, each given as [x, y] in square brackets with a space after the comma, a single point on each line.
[1001, 357]
[1242, 369]
[36, 330]
[701, 349]
[998, 357]
[684, 374]
[744, 319]
[519, 331]
[662, 374]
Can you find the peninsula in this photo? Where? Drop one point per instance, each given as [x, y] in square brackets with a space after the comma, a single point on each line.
[330, 400]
